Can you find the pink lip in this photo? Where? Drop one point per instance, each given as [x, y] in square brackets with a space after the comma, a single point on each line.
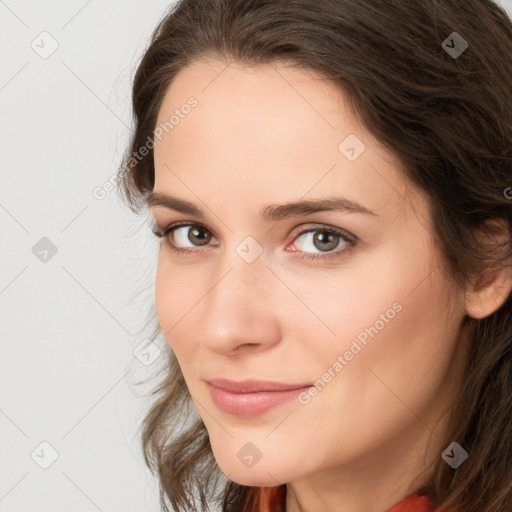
[251, 397]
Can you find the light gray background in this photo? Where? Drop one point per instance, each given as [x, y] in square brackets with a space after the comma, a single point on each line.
[69, 325]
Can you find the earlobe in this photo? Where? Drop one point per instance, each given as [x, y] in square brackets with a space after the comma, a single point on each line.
[488, 292]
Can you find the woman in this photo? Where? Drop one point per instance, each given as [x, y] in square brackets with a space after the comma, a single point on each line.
[331, 182]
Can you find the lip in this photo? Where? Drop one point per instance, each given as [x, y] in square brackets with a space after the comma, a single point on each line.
[251, 397]
[253, 386]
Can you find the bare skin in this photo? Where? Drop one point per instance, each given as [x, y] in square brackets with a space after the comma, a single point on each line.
[270, 135]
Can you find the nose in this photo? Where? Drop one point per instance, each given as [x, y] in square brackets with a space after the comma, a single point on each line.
[241, 310]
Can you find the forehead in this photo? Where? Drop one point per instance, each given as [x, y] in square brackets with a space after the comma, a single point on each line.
[262, 104]
[276, 132]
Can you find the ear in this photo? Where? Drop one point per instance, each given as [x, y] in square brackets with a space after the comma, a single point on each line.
[489, 290]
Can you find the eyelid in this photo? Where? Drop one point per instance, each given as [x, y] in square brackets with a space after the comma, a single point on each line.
[160, 232]
[318, 226]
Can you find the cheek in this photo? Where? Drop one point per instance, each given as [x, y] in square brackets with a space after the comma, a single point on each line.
[395, 289]
[397, 376]
[343, 307]
[395, 315]
[173, 299]
[163, 299]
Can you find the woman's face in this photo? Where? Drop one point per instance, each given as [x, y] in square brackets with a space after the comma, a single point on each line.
[375, 324]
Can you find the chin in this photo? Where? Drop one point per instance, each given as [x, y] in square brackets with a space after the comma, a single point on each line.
[268, 473]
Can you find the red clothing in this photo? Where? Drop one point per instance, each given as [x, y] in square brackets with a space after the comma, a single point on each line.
[272, 497]
[413, 503]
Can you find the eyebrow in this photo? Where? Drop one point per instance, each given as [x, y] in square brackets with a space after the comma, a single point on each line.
[273, 212]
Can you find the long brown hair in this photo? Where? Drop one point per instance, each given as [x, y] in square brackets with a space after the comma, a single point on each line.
[445, 111]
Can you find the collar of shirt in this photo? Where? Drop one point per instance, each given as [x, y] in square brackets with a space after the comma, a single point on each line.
[413, 503]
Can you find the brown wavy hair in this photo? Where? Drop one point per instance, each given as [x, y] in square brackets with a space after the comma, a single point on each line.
[448, 120]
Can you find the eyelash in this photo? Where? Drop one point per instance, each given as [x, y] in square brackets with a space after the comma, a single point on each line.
[350, 240]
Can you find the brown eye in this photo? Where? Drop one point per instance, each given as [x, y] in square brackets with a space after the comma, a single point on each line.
[184, 237]
[199, 236]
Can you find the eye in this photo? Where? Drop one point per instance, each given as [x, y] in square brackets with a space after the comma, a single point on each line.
[182, 234]
[331, 242]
